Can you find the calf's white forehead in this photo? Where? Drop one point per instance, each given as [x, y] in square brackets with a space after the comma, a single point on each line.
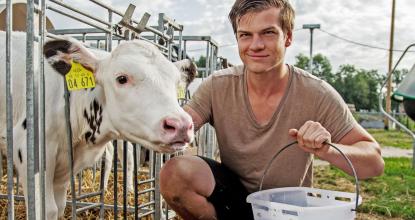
[141, 57]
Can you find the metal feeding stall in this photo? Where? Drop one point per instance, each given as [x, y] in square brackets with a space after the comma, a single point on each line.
[405, 93]
[103, 33]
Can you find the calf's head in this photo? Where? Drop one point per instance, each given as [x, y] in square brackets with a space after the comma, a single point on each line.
[140, 89]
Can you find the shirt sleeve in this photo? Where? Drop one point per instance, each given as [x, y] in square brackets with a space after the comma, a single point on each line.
[201, 101]
[334, 113]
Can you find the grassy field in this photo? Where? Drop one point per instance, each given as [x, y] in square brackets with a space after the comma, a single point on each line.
[395, 138]
[391, 195]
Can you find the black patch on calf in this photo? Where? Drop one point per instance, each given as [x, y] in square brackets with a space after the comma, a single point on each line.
[24, 124]
[88, 135]
[62, 67]
[51, 48]
[94, 119]
[19, 152]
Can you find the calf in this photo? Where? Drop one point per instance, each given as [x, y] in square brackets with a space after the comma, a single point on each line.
[134, 99]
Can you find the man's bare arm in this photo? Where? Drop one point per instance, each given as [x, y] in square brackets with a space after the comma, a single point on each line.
[363, 151]
[197, 120]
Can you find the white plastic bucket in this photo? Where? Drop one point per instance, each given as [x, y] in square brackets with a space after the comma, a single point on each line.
[303, 203]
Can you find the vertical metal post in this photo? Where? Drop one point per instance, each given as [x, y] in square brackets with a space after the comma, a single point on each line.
[9, 111]
[135, 182]
[180, 55]
[109, 35]
[311, 27]
[389, 82]
[311, 50]
[206, 74]
[42, 135]
[101, 187]
[124, 169]
[157, 199]
[70, 148]
[30, 111]
[80, 182]
[185, 47]
[151, 173]
[115, 167]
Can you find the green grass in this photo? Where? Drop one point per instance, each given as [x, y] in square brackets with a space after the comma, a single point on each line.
[395, 138]
[390, 195]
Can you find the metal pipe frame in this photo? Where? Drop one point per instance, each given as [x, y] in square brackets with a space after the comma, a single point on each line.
[30, 111]
[9, 112]
[168, 28]
[386, 114]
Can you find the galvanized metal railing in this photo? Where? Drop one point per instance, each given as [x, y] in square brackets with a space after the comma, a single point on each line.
[167, 35]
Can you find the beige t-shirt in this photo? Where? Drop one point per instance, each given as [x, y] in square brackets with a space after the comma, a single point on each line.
[246, 146]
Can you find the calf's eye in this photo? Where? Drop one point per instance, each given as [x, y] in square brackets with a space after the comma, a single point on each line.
[122, 79]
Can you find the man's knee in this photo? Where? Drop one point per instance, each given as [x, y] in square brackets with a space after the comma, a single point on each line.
[176, 172]
[186, 173]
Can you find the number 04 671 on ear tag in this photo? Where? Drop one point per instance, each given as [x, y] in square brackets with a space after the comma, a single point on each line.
[79, 77]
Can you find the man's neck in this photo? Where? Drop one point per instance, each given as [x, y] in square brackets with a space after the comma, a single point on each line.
[268, 83]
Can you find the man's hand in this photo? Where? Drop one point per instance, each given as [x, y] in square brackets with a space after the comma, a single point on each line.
[311, 137]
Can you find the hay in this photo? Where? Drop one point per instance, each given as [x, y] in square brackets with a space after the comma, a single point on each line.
[89, 185]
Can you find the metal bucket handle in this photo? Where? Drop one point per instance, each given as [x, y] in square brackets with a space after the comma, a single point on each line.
[344, 156]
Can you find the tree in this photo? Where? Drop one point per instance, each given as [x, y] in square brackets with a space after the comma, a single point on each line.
[200, 63]
[358, 86]
[321, 66]
[302, 61]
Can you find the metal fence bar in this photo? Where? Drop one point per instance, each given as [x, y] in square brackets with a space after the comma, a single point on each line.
[70, 149]
[80, 12]
[135, 181]
[30, 112]
[124, 166]
[9, 112]
[76, 18]
[157, 199]
[156, 162]
[115, 166]
[42, 116]
[101, 188]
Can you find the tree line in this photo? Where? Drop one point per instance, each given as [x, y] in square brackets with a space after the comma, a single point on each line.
[357, 86]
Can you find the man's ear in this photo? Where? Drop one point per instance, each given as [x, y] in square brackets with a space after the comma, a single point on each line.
[61, 53]
[289, 39]
[188, 70]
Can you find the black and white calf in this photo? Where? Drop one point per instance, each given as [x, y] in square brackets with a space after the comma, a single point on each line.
[134, 99]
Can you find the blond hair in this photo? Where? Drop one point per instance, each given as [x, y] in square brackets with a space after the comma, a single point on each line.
[242, 7]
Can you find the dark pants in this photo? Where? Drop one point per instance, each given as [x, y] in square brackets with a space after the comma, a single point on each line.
[229, 195]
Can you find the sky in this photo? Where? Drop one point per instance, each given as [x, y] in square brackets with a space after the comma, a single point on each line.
[366, 22]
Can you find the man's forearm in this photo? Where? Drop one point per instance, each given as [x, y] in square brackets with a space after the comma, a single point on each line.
[364, 155]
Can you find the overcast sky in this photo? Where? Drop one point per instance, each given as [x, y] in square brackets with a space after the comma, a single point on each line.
[362, 21]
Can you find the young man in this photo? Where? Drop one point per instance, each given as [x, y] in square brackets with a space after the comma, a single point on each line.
[256, 109]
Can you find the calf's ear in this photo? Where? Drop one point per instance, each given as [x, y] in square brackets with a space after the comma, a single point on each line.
[60, 54]
[188, 70]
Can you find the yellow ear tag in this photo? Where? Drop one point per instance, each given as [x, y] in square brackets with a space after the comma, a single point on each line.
[181, 93]
[79, 77]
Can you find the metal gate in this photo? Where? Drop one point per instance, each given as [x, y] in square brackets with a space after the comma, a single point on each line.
[104, 34]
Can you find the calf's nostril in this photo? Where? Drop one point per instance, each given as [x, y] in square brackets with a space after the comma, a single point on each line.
[169, 126]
